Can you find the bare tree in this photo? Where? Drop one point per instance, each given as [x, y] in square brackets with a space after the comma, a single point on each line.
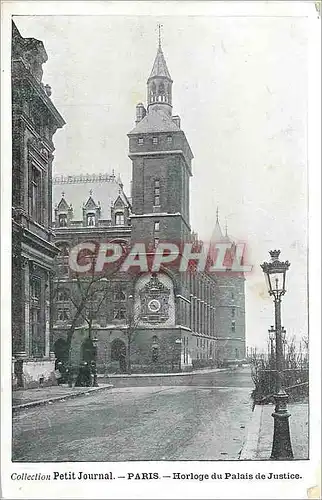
[87, 293]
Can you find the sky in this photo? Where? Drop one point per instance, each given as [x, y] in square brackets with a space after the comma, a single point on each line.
[240, 88]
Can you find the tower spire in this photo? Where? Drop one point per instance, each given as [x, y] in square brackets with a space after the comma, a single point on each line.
[226, 227]
[160, 82]
[217, 214]
[159, 36]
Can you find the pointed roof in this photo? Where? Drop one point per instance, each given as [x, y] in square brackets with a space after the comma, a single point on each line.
[160, 66]
[62, 205]
[217, 232]
[90, 203]
[226, 238]
[155, 121]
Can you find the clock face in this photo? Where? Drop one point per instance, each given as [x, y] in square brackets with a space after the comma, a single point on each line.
[154, 305]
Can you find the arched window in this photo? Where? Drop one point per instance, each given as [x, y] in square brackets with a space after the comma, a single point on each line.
[153, 92]
[62, 220]
[90, 220]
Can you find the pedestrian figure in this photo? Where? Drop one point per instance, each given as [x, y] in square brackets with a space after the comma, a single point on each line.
[59, 372]
[84, 376]
[87, 374]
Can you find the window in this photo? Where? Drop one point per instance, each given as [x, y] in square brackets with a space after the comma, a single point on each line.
[156, 193]
[157, 226]
[232, 296]
[63, 295]
[63, 314]
[155, 354]
[140, 140]
[233, 326]
[62, 220]
[119, 295]
[236, 353]
[154, 140]
[156, 242]
[169, 139]
[119, 219]
[232, 312]
[35, 289]
[119, 314]
[90, 220]
[36, 211]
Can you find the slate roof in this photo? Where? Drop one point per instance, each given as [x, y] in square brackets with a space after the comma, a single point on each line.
[78, 192]
[160, 66]
[155, 121]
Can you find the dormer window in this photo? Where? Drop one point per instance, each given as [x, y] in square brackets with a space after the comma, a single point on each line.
[90, 219]
[62, 220]
[140, 140]
[154, 140]
[119, 219]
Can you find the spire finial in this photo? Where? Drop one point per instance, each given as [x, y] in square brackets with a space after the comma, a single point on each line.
[62, 194]
[159, 30]
[90, 192]
[217, 214]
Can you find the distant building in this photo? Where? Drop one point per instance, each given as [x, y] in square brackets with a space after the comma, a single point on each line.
[34, 122]
[178, 320]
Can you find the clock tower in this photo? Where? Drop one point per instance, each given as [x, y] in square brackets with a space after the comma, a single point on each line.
[161, 164]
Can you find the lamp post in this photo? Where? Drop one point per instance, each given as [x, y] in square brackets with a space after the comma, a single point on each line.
[275, 273]
[178, 342]
[271, 334]
[94, 367]
[130, 330]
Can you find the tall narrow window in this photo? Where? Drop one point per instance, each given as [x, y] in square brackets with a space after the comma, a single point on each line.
[233, 326]
[232, 312]
[62, 220]
[119, 219]
[154, 140]
[156, 193]
[36, 212]
[157, 226]
[90, 219]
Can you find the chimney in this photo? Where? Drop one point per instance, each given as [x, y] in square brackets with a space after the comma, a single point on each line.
[140, 112]
[177, 120]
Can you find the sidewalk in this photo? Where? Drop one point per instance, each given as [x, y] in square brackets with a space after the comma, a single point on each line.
[258, 445]
[47, 395]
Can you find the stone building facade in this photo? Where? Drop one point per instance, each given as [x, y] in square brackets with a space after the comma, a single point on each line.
[34, 122]
[169, 320]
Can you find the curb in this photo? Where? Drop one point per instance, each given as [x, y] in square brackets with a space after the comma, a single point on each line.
[250, 447]
[42, 402]
[177, 374]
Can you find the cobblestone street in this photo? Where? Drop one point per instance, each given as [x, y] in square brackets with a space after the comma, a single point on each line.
[140, 423]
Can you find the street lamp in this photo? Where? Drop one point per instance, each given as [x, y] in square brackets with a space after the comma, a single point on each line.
[275, 273]
[94, 367]
[271, 334]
